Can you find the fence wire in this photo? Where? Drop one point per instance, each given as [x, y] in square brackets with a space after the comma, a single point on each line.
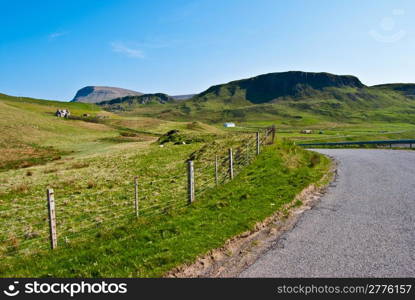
[77, 219]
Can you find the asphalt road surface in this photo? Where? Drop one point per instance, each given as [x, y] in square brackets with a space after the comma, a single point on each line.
[363, 227]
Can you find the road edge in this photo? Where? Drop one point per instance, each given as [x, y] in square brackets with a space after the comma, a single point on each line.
[241, 251]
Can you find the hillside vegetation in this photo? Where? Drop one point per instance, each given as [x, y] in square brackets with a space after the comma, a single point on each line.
[31, 134]
[289, 99]
[152, 245]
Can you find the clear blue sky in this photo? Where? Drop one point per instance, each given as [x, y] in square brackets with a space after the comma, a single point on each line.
[50, 49]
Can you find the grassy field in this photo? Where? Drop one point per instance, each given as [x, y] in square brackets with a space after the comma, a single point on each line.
[91, 163]
[30, 134]
[331, 105]
[152, 245]
[333, 114]
[92, 190]
[352, 132]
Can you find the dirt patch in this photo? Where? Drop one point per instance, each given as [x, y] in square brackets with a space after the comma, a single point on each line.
[16, 156]
[243, 250]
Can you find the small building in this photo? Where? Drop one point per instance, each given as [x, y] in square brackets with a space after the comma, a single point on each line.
[306, 131]
[229, 124]
[62, 113]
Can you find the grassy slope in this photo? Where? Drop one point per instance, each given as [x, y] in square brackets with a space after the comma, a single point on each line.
[341, 113]
[93, 190]
[30, 134]
[151, 246]
[348, 105]
[93, 183]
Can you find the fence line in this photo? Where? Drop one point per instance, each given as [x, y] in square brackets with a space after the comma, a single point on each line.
[201, 176]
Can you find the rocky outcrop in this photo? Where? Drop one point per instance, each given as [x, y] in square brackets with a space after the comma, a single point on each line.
[267, 87]
[141, 99]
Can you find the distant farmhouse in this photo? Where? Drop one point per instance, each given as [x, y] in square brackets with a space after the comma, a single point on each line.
[62, 113]
[229, 124]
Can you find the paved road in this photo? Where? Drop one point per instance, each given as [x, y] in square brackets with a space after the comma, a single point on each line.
[363, 227]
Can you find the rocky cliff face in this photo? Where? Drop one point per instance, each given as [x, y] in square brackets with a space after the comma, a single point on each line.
[267, 87]
[141, 99]
[96, 94]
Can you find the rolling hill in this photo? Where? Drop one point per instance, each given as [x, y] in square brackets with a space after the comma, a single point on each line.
[31, 134]
[408, 89]
[288, 98]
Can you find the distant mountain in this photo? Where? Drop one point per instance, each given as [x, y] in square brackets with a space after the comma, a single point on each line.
[256, 90]
[293, 96]
[290, 97]
[96, 94]
[268, 87]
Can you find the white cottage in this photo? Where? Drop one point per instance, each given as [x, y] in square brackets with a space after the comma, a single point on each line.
[62, 113]
[229, 124]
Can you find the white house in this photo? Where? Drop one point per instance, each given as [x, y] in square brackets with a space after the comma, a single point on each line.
[306, 131]
[229, 124]
[62, 113]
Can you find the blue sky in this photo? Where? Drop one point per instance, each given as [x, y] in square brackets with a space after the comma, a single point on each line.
[50, 49]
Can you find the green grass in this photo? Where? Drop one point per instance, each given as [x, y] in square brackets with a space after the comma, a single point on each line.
[93, 189]
[151, 246]
[343, 114]
[350, 113]
[42, 105]
[30, 134]
[344, 105]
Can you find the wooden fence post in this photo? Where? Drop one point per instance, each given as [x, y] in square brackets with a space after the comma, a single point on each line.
[230, 163]
[257, 143]
[247, 154]
[216, 170]
[136, 196]
[52, 218]
[190, 182]
[273, 134]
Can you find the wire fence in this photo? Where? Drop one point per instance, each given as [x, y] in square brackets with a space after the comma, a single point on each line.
[30, 228]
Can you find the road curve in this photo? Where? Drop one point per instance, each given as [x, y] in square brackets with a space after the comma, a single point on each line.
[363, 227]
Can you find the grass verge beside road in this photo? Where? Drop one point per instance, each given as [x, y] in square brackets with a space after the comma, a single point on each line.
[151, 246]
